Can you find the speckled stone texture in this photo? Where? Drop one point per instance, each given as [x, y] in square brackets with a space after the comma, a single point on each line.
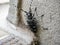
[12, 16]
[51, 20]
[48, 16]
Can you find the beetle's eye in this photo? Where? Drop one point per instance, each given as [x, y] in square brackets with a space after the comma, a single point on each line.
[28, 14]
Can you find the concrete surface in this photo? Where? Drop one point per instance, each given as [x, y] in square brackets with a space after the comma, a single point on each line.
[3, 34]
[6, 27]
[4, 1]
[50, 9]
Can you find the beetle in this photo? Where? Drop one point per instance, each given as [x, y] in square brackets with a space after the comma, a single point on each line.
[31, 20]
[32, 23]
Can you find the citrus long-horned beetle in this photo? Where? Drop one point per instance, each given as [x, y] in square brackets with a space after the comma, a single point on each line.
[31, 20]
[32, 23]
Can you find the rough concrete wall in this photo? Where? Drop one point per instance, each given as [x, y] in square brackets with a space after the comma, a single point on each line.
[14, 15]
[48, 17]
[51, 19]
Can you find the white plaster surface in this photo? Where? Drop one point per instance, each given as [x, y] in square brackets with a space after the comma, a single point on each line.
[10, 28]
[50, 20]
[4, 1]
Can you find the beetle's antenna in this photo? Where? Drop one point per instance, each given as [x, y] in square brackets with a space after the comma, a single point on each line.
[23, 10]
[30, 5]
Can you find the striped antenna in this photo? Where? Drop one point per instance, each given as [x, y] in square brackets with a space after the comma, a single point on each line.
[30, 5]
